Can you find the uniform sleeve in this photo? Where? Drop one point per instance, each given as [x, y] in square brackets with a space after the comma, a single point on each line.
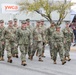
[3, 35]
[47, 34]
[17, 35]
[72, 35]
[30, 36]
[44, 36]
[54, 39]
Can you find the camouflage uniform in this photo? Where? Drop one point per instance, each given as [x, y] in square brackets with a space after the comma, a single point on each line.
[31, 31]
[50, 31]
[43, 36]
[37, 42]
[9, 34]
[58, 47]
[30, 47]
[44, 39]
[15, 52]
[3, 45]
[23, 37]
[68, 37]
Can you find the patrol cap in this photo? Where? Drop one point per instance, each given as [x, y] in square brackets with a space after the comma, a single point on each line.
[23, 22]
[38, 21]
[52, 23]
[42, 20]
[58, 27]
[28, 20]
[67, 22]
[15, 19]
[10, 21]
[1, 21]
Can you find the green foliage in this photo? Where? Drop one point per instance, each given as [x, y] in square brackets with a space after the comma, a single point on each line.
[59, 6]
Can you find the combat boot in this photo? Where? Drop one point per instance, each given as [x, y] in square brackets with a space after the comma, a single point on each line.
[9, 60]
[37, 53]
[23, 63]
[2, 59]
[31, 57]
[51, 56]
[63, 62]
[16, 55]
[43, 55]
[55, 62]
[65, 58]
[40, 60]
[13, 55]
[69, 58]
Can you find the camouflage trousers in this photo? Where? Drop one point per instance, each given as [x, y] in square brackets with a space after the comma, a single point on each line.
[29, 49]
[43, 48]
[37, 46]
[1, 49]
[51, 48]
[10, 46]
[15, 50]
[58, 48]
[23, 49]
[67, 48]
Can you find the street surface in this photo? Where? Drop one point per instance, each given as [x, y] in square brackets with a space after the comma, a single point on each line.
[39, 68]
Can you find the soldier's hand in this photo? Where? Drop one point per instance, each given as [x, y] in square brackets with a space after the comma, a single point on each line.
[3, 43]
[55, 46]
[64, 42]
[46, 42]
[31, 44]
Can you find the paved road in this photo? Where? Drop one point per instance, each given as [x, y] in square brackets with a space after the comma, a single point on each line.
[39, 68]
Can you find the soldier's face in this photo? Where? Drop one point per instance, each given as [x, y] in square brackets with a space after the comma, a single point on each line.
[52, 25]
[15, 22]
[58, 29]
[10, 24]
[38, 23]
[67, 25]
[24, 25]
[42, 22]
[2, 24]
[28, 23]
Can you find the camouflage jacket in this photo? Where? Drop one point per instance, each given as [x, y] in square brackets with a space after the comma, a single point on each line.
[38, 34]
[23, 36]
[43, 33]
[68, 34]
[49, 32]
[58, 37]
[1, 34]
[9, 33]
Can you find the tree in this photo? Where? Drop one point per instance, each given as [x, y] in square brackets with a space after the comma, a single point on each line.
[48, 6]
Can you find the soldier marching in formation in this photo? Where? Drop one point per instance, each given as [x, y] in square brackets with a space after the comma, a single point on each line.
[33, 40]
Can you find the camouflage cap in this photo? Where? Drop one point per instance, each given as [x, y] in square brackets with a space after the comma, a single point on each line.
[38, 21]
[23, 22]
[10, 21]
[1, 21]
[67, 22]
[58, 27]
[42, 20]
[28, 20]
[15, 19]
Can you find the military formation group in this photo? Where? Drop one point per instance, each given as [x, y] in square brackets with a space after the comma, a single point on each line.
[33, 40]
